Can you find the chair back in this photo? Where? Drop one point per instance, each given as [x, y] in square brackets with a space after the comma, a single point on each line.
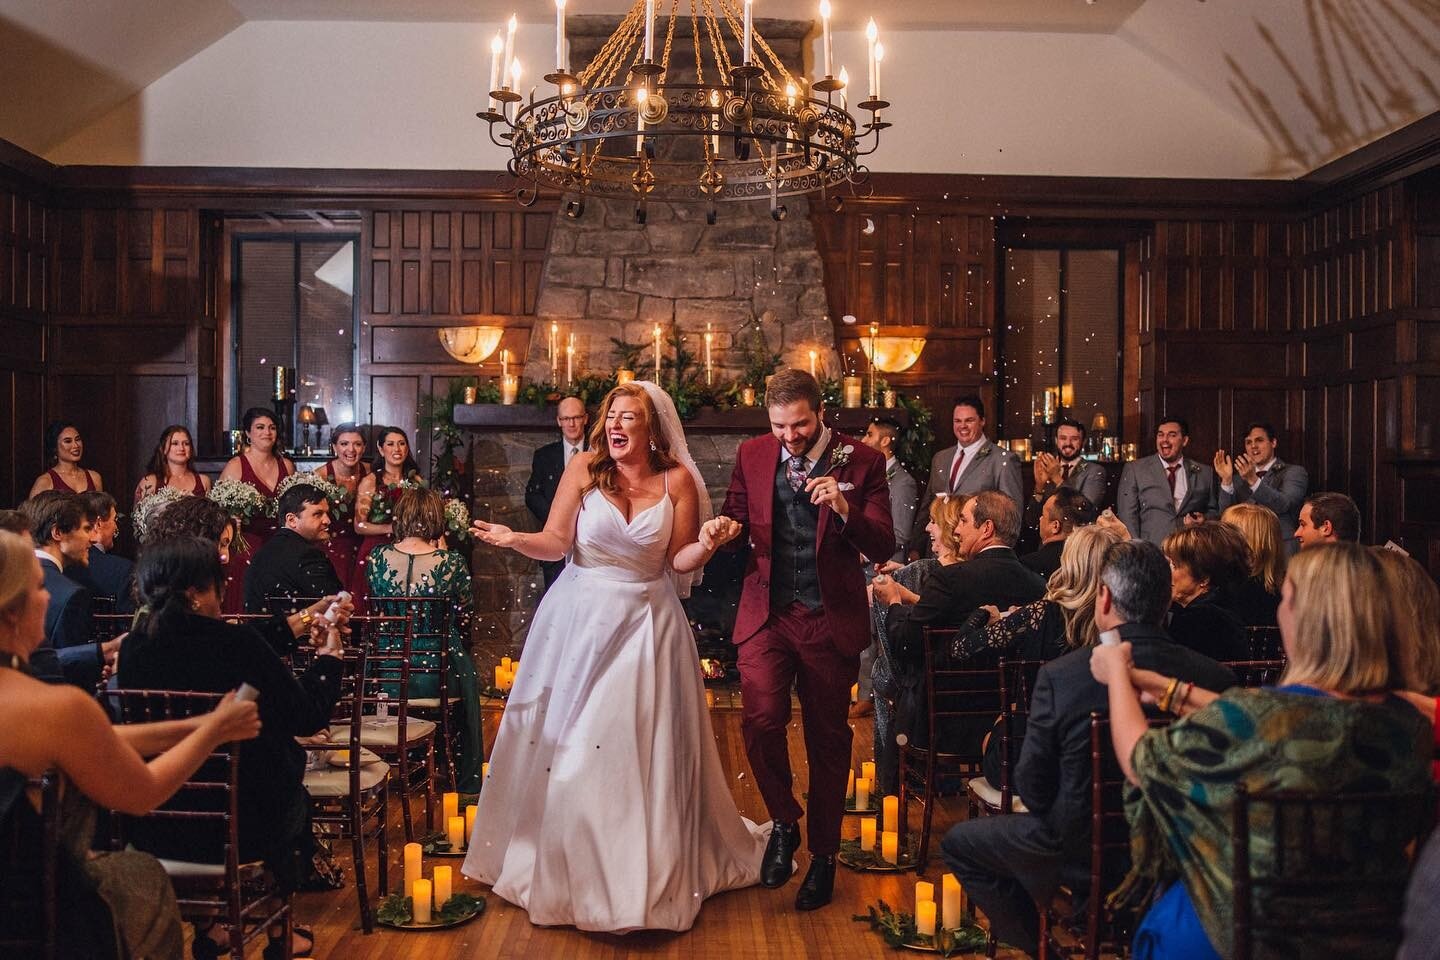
[1256, 673]
[106, 626]
[428, 622]
[29, 867]
[1017, 684]
[1265, 643]
[957, 695]
[1323, 874]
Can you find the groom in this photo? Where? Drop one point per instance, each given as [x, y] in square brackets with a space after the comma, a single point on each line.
[813, 502]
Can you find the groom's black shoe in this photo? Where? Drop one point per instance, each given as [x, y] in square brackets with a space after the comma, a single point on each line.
[779, 860]
[818, 886]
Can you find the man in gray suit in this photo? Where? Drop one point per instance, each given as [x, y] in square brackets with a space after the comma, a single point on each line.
[973, 465]
[1066, 468]
[1264, 479]
[882, 436]
[1161, 493]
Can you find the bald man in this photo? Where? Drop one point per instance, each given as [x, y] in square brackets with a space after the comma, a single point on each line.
[549, 464]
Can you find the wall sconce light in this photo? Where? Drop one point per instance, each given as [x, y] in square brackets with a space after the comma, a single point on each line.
[470, 344]
[893, 354]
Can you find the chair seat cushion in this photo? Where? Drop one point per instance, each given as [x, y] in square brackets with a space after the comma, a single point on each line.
[385, 733]
[191, 870]
[428, 703]
[330, 783]
[989, 795]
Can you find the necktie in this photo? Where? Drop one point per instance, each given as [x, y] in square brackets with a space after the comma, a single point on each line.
[1260, 474]
[1065, 472]
[955, 470]
[795, 473]
[1170, 477]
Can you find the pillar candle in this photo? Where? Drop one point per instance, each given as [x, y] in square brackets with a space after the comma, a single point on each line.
[649, 29]
[825, 35]
[412, 864]
[509, 390]
[420, 900]
[554, 350]
[867, 833]
[862, 794]
[925, 918]
[891, 806]
[950, 901]
[852, 392]
[484, 771]
[455, 832]
[449, 805]
[854, 692]
[506, 662]
[500, 672]
[560, 34]
[749, 29]
[924, 890]
[470, 822]
[850, 787]
[890, 846]
[709, 364]
[442, 886]
[867, 770]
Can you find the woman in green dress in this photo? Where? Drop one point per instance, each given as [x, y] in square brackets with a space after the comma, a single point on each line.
[418, 565]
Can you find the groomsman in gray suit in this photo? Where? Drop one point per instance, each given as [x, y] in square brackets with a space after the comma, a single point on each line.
[882, 436]
[1265, 479]
[973, 465]
[1067, 468]
[1159, 494]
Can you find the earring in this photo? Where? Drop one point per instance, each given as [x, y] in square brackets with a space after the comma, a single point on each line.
[653, 448]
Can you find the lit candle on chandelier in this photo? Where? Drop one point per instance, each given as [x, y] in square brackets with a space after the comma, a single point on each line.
[649, 29]
[709, 365]
[879, 59]
[844, 85]
[560, 36]
[825, 35]
[813, 357]
[871, 33]
[790, 92]
[515, 81]
[497, 47]
[657, 332]
[509, 46]
[749, 29]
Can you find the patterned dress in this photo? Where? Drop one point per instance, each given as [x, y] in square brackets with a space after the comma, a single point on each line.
[439, 573]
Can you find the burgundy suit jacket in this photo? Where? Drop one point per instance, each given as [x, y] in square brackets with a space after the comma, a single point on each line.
[839, 548]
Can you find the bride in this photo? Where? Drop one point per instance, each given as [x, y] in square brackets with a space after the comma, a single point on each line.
[606, 807]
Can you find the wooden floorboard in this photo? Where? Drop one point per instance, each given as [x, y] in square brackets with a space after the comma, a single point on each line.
[738, 925]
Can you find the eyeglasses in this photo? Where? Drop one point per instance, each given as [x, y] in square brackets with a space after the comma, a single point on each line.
[580, 419]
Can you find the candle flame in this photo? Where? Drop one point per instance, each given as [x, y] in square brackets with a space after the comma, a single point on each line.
[641, 95]
[497, 45]
[560, 5]
[513, 23]
[871, 31]
[790, 91]
[825, 9]
[844, 78]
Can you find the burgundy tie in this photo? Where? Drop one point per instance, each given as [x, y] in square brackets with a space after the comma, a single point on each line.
[1170, 477]
[955, 470]
[1065, 472]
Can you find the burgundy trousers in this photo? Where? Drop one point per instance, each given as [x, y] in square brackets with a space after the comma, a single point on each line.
[793, 649]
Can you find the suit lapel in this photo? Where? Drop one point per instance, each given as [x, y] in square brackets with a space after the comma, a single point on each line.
[966, 467]
[822, 465]
[760, 475]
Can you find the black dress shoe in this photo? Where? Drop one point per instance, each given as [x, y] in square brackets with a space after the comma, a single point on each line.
[779, 861]
[818, 886]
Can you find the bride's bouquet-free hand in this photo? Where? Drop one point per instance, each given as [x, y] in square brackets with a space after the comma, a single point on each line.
[334, 492]
[241, 501]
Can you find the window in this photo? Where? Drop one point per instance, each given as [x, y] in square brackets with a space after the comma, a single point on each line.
[295, 307]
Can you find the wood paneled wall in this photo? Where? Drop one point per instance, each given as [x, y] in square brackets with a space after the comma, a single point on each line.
[24, 306]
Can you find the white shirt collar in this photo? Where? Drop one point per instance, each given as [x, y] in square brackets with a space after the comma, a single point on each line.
[46, 558]
[970, 450]
[1167, 465]
[812, 456]
[890, 464]
[1266, 466]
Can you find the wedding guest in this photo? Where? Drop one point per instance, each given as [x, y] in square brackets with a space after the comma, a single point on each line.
[1265, 479]
[57, 728]
[346, 468]
[60, 530]
[548, 466]
[1328, 518]
[944, 551]
[1415, 600]
[109, 573]
[1064, 511]
[293, 563]
[1207, 560]
[1332, 726]
[17, 523]
[1161, 493]
[973, 464]
[1066, 469]
[392, 472]
[183, 644]
[1255, 599]
[1009, 864]
[199, 517]
[173, 465]
[65, 448]
[415, 565]
[883, 436]
[262, 466]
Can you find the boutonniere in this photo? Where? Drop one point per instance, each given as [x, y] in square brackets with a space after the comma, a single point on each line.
[838, 458]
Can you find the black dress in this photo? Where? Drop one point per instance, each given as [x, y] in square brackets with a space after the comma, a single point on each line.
[216, 657]
[1252, 604]
[1207, 627]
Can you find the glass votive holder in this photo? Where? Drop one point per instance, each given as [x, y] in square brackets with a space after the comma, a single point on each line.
[887, 399]
[509, 389]
[470, 394]
[747, 396]
[624, 376]
[852, 387]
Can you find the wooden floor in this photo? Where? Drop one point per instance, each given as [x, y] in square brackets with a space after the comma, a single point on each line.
[749, 923]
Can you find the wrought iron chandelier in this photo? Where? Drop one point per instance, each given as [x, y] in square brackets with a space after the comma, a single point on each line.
[635, 125]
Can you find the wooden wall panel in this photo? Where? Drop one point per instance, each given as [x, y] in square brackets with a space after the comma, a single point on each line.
[25, 263]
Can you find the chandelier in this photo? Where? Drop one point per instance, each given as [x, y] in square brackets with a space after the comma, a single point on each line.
[674, 118]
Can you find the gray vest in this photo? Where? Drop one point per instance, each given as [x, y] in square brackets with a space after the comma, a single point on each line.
[794, 574]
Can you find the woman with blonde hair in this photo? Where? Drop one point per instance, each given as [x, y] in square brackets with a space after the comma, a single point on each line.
[1255, 599]
[1333, 726]
[1416, 602]
[610, 683]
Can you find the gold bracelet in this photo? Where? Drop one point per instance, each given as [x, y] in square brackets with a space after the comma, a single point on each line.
[1169, 695]
[306, 618]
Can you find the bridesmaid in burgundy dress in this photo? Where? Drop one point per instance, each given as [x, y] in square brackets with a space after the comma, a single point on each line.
[347, 468]
[173, 465]
[62, 440]
[261, 467]
[378, 492]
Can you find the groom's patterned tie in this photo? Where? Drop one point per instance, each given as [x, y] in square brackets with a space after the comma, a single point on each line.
[795, 473]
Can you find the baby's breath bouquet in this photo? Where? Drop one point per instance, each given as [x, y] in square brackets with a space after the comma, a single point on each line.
[382, 505]
[149, 508]
[241, 500]
[334, 492]
[457, 519]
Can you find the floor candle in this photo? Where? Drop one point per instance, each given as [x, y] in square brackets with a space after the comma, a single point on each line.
[484, 771]
[951, 902]
[470, 822]
[891, 808]
[867, 834]
[925, 918]
[867, 770]
[890, 846]
[412, 864]
[924, 890]
[442, 886]
[449, 805]
[455, 832]
[850, 786]
[420, 900]
[862, 794]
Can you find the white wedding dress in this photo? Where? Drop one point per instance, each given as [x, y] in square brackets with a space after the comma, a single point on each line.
[606, 807]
